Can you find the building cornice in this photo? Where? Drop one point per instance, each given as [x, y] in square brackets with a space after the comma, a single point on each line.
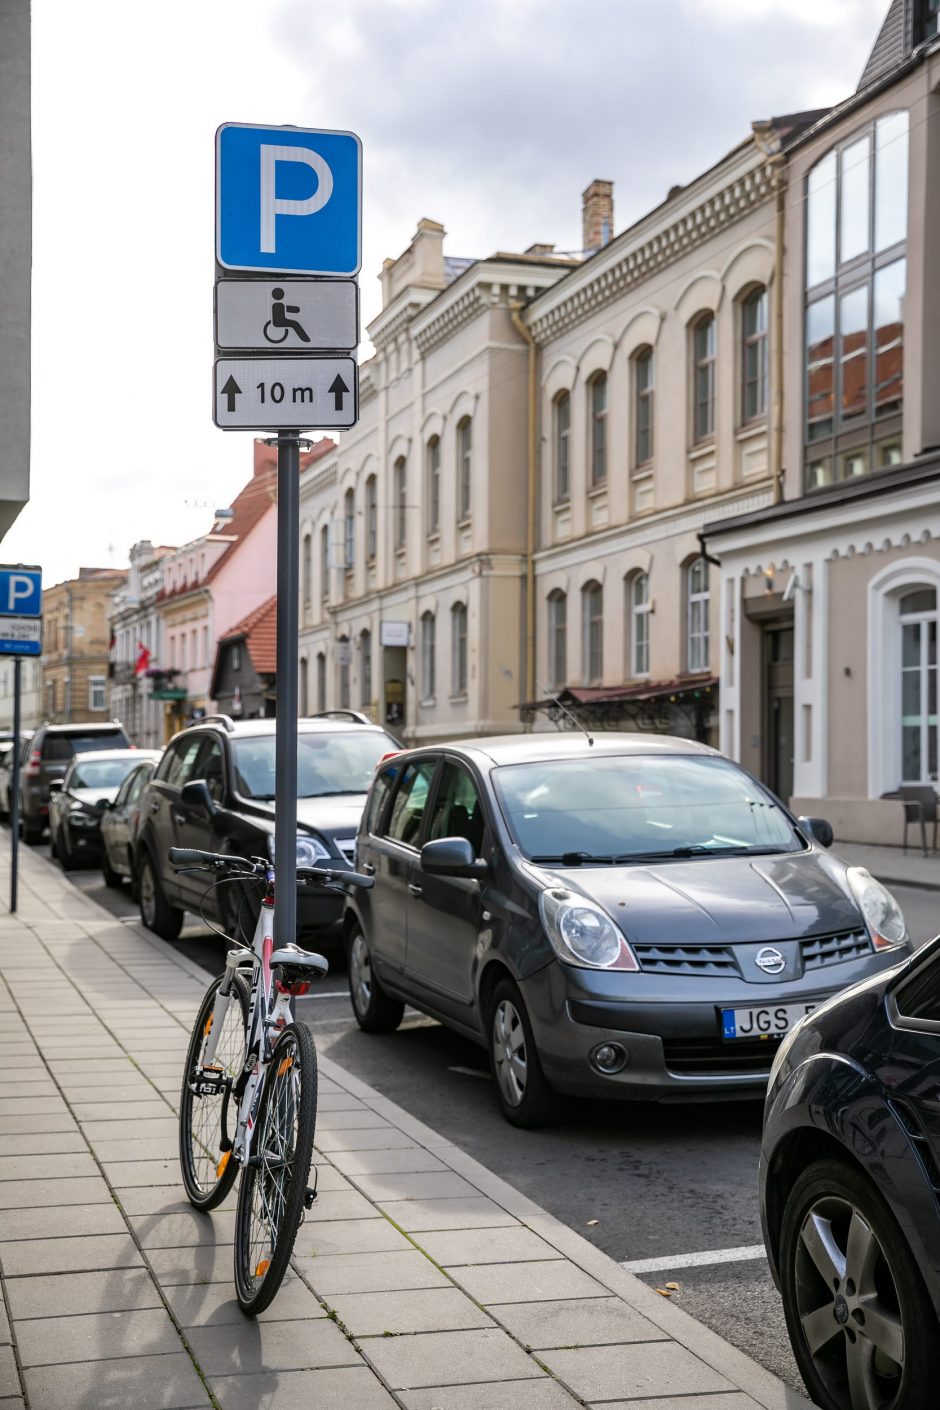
[483, 285]
[398, 317]
[694, 217]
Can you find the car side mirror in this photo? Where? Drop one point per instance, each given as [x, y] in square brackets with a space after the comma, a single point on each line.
[103, 804]
[452, 856]
[55, 785]
[818, 829]
[195, 794]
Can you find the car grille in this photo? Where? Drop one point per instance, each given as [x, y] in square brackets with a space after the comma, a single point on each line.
[700, 1057]
[821, 950]
[686, 959]
[347, 847]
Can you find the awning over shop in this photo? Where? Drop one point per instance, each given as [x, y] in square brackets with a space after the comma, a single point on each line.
[682, 706]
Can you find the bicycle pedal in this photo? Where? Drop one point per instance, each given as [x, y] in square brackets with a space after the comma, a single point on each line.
[309, 1196]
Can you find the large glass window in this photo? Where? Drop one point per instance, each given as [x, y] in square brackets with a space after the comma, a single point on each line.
[557, 639]
[410, 802]
[698, 597]
[643, 404]
[592, 599]
[639, 591]
[434, 484]
[919, 733]
[703, 354]
[428, 656]
[562, 438]
[754, 364]
[464, 467]
[458, 811]
[856, 224]
[597, 400]
[458, 648]
[929, 19]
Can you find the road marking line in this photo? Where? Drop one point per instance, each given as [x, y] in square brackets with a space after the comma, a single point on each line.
[329, 994]
[743, 1254]
[470, 1072]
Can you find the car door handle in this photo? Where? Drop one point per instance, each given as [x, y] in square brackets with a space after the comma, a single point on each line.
[368, 868]
[179, 817]
[414, 889]
[155, 806]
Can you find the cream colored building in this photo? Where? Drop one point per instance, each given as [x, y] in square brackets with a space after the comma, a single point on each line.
[829, 611]
[414, 532]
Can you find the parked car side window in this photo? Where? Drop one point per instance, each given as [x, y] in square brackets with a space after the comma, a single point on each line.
[138, 780]
[177, 765]
[919, 998]
[381, 789]
[410, 800]
[209, 767]
[458, 811]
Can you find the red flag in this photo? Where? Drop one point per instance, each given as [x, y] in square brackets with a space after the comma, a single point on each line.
[143, 659]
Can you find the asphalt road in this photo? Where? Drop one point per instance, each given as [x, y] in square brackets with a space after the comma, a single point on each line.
[644, 1182]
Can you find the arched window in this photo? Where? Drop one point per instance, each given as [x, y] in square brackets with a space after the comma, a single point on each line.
[365, 668]
[597, 408]
[917, 615]
[401, 502]
[349, 527]
[464, 468]
[434, 484]
[856, 284]
[697, 602]
[561, 435]
[428, 656]
[703, 377]
[638, 599]
[321, 680]
[458, 653]
[372, 518]
[343, 650]
[754, 363]
[557, 638]
[592, 604]
[307, 572]
[643, 393]
[325, 563]
[304, 684]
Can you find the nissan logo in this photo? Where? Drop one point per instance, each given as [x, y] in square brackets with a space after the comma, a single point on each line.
[769, 960]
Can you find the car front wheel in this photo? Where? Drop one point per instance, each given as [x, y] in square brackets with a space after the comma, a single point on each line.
[524, 1095]
[375, 1011]
[155, 911]
[860, 1320]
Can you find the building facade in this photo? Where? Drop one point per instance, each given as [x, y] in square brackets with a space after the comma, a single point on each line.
[76, 638]
[30, 692]
[829, 600]
[137, 647]
[244, 679]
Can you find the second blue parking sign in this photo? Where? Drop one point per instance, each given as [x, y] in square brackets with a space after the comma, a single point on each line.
[288, 199]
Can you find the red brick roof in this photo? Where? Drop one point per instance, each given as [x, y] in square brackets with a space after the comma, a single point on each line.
[259, 632]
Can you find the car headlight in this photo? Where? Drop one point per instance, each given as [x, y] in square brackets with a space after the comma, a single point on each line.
[310, 850]
[883, 916]
[582, 933]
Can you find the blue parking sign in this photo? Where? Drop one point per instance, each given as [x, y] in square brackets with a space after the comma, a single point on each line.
[20, 591]
[288, 199]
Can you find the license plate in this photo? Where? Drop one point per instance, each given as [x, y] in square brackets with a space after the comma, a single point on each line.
[772, 1021]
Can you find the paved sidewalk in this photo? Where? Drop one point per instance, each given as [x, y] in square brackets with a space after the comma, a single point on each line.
[893, 865]
[420, 1279]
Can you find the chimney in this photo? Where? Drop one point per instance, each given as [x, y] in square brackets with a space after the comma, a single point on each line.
[597, 215]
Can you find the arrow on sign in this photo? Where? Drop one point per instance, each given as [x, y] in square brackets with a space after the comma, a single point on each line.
[339, 389]
[233, 390]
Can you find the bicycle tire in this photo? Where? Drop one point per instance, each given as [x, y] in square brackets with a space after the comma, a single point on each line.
[270, 1202]
[208, 1172]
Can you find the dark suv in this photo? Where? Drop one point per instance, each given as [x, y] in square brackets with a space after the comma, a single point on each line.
[214, 790]
[49, 754]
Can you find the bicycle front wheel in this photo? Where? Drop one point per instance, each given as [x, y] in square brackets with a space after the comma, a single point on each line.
[208, 1171]
[273, 1190]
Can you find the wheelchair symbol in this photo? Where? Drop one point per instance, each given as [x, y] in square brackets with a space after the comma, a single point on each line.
[280, 323]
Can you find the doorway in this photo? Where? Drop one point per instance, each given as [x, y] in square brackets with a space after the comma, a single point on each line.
[778, 710]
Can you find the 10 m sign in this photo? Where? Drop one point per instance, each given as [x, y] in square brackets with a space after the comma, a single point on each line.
[306, 393]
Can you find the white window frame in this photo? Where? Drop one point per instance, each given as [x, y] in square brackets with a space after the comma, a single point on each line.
[557, 599]
[884, 675]
[98, 686]
[428, 656]
[458, 656]
[698, 600]
[639, 618]
[588, 622]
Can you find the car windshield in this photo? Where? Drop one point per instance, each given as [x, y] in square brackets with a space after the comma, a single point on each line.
[635, 807]
[63, 746]
[101, 773]
[328, 763]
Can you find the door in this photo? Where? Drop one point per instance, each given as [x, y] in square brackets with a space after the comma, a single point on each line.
[778, 709]
[194, 827]
[115, 835]
[394, 854]
[444, 917]
[162, 818]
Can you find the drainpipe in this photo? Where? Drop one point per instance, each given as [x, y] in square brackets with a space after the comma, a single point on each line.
[776, 452]
[531, 487]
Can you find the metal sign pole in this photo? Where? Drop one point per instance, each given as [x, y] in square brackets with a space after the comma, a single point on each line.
[285, 784]
[15, 786]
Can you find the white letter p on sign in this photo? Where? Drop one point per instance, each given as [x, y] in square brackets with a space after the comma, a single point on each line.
[272, 206]
[19, 586]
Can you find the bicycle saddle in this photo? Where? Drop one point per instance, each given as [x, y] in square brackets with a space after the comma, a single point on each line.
[291, 957]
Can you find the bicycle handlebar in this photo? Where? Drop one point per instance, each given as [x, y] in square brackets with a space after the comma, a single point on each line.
[220, 861]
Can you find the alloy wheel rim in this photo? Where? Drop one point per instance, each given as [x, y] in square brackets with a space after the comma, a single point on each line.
[360, 972]
[509, 1052]
[848, 1305]
[147, 893]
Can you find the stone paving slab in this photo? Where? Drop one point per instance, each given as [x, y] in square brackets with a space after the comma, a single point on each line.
[419, 1280]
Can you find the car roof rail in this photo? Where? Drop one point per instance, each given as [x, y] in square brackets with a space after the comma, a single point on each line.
[226, 721]
[355, 715]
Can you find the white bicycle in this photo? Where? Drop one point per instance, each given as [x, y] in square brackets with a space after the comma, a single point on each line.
[249, 1097]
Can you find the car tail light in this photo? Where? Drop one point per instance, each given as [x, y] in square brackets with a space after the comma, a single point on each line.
[32, 767]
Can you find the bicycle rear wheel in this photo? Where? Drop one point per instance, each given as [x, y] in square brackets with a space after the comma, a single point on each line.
[208, 1171]
[272, 1194]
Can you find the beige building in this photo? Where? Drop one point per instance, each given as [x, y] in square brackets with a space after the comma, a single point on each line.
[414, 532]
[75, 639]
[829, 599]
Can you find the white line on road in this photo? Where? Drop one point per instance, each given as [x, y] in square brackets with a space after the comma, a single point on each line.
[330, 994]
[743, 1254]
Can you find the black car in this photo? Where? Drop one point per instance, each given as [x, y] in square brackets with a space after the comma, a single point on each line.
[214, 790]
[50, 752]
[635, 918]
[79, 801]
[850, 1184]
[120, 823]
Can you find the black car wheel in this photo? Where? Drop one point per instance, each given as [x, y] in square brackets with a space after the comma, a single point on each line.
[860, 1320]
[375, 1011]
[524, 1095]
[32, 836]
[155, 911]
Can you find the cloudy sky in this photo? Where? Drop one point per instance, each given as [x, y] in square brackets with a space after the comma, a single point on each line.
[490, 117]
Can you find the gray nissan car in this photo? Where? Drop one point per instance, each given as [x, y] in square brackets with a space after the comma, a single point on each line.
[633, 917]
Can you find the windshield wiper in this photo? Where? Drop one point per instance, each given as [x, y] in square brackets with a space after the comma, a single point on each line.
[335, 793]
[577, 859]
[700, 849]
